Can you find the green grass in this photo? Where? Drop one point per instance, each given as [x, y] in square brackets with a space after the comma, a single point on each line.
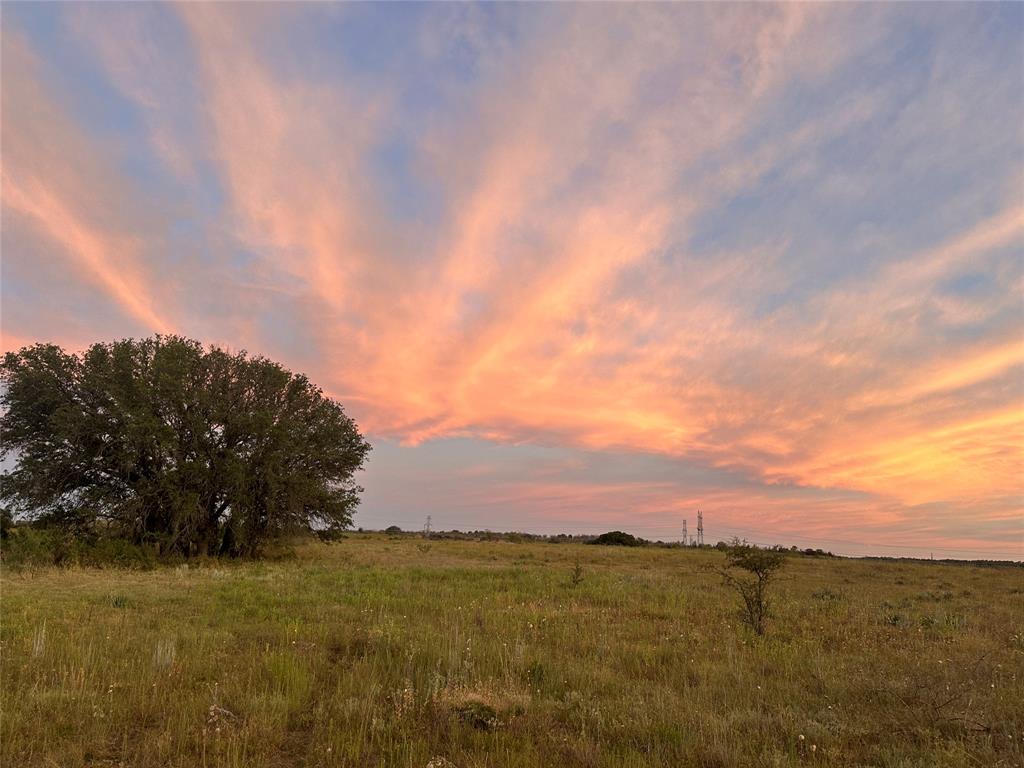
[374, 652]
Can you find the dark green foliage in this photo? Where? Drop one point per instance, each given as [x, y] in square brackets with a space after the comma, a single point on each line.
[750, 570]
[394, 530]
[618, 539]
[161, 441]
[33, 547]
[6, 523]
[817, 553]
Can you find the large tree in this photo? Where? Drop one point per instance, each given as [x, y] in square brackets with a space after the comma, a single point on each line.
[161, 440]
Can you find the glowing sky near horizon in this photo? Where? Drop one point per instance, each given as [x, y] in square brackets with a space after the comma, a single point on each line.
[570, 267]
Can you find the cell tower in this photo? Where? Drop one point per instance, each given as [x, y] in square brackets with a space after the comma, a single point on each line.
[700, 528]
[685, 537]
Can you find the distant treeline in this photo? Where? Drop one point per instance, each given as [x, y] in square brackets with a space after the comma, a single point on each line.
[618, 538]
[611, 538]
[949, 561]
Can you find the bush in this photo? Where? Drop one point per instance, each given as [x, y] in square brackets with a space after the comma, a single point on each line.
[30, 547]
[576, 576]
[478, 714]
[762, 566]
[618, 539]
[26, 547]
[327, 536]
[394, 530]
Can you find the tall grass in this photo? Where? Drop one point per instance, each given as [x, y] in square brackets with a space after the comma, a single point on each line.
[371, 653]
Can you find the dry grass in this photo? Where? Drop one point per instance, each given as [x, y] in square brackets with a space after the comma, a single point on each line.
[373, 652]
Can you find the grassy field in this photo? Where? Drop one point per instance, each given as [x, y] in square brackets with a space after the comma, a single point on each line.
[389, 651]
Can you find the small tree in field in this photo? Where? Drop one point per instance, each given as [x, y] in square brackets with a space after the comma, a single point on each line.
[750, 570]
[163, 441]
[576, 576]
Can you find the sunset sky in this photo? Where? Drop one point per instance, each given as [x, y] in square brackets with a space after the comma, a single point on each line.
[570, 267]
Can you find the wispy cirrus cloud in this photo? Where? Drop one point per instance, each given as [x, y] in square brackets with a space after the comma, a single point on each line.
[778, 243]
[55, 178]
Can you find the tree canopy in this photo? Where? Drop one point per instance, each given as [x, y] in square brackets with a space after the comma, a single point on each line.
[618, 539]
[194, 449]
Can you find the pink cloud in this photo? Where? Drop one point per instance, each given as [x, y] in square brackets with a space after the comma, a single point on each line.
[554, 300]
[551, 350]
[54, 177]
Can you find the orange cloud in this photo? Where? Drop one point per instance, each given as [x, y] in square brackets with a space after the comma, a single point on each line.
[555, 299]
[90, 248]
[511, 327]
[53, 176]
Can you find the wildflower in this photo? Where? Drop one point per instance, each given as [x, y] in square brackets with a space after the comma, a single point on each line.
[801, 737]
[814, 747]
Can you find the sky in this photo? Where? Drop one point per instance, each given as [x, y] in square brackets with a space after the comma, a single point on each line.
[571, 267]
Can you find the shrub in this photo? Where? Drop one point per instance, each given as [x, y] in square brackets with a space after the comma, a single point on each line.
[327, 535]
[762, 565]
[478, 714]
[393, 530]
[576, 576]
[618, 539]
[26, 547]
[31, 547]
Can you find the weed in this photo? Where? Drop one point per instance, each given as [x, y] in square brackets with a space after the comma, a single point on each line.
[165, 653]
[576, 576]
[39, 641]
[826, 595]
